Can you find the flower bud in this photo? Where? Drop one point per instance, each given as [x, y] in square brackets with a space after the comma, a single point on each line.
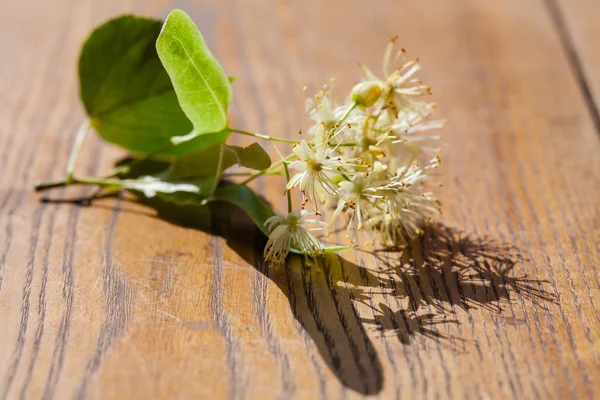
[365, 94]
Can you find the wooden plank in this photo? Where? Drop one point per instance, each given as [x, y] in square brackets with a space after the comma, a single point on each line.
[109, 301]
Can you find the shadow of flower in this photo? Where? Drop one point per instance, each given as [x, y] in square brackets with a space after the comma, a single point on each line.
[442, 269]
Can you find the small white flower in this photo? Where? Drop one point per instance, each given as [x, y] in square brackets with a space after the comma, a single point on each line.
[287, 232]
[317, 164]
[357, 205]
[320, 110]
[363, 156]
[398, 87]
[411, 131]
[401, 214]
[401, 207]
[372, 141]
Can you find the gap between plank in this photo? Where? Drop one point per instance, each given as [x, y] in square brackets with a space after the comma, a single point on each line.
[568, 46]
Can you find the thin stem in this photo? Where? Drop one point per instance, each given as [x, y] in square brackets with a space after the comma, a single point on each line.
[219, 166]
[342, 173]
[83, 129]
[287, 177]
[55, 184]
[121, 170]
[263, 172]
[78, 181]
[344, 145]
[265, 137]
[348, 113]
[270, 170]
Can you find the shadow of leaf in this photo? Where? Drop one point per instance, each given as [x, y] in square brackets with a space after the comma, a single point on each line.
[442, 269]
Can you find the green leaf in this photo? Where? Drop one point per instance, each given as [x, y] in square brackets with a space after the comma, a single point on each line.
[202, 87]
[253, 156]
[125, 89]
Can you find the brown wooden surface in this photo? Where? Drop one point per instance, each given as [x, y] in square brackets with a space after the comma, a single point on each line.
[499, 300]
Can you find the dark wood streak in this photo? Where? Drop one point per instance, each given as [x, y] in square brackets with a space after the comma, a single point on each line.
[7, 150]
[237, 378]
[407, 286]
[492, 293]
[307, 339]
[388, 349]
[25, 301]
[26, 169]
[313, 310]
[41, 305]
[25, 306]
[395, 295]
[62, 337]
[437, 295]
[418, 284]
[288, 386]
[352, 359]
[370, 372]
[26, 166]
[19, 197]
[44, 279]
[260, 281]
[119, 298]
[430, 309]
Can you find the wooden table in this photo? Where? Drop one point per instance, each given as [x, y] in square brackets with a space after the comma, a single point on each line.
[114, 299]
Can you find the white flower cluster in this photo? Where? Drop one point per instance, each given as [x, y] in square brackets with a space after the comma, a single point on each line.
[370, 159]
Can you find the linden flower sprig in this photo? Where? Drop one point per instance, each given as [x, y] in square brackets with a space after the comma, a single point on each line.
[370, 158]
[155, 89]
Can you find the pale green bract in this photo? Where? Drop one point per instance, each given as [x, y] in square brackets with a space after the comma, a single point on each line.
[202, 87]
[150, 186]
[210, 163]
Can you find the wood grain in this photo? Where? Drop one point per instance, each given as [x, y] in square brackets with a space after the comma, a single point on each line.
[114, 299]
